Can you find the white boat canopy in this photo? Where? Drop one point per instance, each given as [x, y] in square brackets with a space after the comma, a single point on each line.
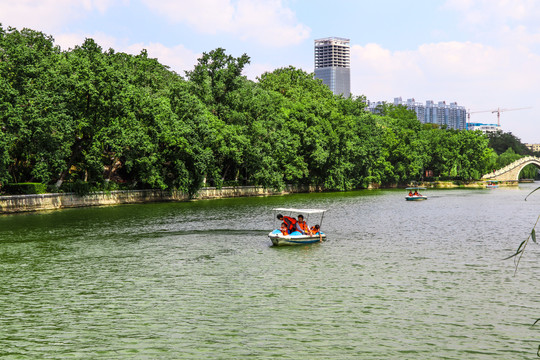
[415, 188]
[300, 211]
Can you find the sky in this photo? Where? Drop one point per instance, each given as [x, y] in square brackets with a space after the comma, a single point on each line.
[482, 54]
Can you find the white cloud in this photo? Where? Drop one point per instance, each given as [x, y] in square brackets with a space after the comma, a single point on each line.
[478, 11]
[41, 15]
[266, 21]
[477, 76]
[445, 70]
[510, 21]
[100, 5]
[178, 58]
[206, 16]
[505, 74]
[254, 71]
[49, 15]
[69, 41]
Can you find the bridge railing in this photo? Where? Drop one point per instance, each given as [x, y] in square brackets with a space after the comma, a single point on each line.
[511, 166]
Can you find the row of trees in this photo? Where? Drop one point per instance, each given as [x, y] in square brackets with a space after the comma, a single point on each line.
[99, 117]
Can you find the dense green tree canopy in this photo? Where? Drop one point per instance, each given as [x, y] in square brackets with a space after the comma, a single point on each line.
[107, 119]
[501, 142]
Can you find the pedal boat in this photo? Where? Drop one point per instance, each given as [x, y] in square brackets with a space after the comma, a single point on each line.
[415, 197]
[297, 238]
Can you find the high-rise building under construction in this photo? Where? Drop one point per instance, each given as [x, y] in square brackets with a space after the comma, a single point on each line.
[333, 64]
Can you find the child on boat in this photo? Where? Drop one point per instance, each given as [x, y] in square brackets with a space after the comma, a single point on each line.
[289, 221]
[283, 229]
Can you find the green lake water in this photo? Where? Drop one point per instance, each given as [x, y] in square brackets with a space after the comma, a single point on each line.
[200, 280]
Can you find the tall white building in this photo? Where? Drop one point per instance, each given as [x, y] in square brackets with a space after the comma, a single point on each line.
[333, 64]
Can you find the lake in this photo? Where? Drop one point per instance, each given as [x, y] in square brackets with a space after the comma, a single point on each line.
[200, 280]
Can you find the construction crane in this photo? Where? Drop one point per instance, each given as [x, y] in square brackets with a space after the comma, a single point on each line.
[498, 111]
[473, 112]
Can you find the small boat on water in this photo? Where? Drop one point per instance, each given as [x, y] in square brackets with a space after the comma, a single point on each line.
[296, 237]
[415, 196]
[492, 184]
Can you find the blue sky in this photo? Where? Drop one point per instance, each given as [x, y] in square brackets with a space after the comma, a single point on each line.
[483, 54]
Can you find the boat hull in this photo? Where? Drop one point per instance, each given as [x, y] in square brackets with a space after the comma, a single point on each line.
[415, 198]
[278, 239]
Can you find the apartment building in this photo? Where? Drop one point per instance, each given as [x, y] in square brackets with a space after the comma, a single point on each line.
[451, 115]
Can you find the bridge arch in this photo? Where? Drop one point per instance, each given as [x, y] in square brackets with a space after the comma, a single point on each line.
[511, 171]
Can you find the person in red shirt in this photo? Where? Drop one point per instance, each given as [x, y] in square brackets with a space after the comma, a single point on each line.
[289, 221]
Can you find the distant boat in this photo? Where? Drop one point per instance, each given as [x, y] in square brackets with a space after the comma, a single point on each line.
[492, 184]
[415, 196]
[296, 237]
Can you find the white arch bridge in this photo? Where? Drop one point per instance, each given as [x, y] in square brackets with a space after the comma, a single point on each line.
[511, 171]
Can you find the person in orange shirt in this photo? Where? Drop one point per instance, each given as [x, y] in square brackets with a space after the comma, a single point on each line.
[302, 226]
[284, 229]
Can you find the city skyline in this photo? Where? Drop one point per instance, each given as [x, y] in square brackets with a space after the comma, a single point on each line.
[482, 54]
[451, 115]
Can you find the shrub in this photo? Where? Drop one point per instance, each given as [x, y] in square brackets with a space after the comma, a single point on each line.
[25, 188]
[78, 187]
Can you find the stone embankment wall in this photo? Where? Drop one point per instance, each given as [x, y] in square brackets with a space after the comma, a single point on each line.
[25, 203]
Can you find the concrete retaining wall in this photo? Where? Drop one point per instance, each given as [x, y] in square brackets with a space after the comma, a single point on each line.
[25, 203]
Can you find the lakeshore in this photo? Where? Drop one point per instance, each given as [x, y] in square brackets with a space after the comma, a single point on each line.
[52, 201]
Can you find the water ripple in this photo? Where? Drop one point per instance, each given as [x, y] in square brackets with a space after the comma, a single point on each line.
[200, 280]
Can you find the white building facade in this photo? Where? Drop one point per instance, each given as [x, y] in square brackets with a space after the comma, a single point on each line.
[485, 128]
[333, 64]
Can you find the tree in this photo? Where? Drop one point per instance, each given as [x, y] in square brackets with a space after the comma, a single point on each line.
[105, 118]
[529, 172]
[215, 76]
[507, 157]
[26, 57]
[502, 141]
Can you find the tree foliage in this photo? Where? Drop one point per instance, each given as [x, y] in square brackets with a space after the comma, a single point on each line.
[107, 119]
[502, 141]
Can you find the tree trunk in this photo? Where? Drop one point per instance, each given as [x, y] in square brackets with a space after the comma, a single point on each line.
[76, 149]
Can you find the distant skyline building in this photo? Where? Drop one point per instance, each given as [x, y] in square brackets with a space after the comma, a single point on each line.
[333, 64]
[452, 115]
